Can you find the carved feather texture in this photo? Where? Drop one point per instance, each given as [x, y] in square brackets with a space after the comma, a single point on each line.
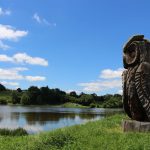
[142, 83]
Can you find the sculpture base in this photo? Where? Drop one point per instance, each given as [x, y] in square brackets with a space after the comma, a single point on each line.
[135, 126]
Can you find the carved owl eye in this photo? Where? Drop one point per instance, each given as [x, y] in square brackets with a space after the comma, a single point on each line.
[131, 55]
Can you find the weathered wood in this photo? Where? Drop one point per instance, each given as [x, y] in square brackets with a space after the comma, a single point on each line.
[136, 78]
[135, 126]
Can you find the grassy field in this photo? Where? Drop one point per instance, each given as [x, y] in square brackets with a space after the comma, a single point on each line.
[106, 134]
[73, 105]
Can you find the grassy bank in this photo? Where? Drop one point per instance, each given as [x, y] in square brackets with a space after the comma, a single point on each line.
[99, 135]
[73, 105]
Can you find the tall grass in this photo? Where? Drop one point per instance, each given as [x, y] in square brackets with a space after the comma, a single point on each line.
[106, 134]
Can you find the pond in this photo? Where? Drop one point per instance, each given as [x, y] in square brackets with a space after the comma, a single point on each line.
[43, 118]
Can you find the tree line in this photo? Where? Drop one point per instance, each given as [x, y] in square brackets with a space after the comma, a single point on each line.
[44, 95]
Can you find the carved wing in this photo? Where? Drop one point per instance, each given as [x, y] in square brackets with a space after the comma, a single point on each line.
[124, 97]
[142, 83]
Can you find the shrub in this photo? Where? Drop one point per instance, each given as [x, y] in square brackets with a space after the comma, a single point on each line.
[15, 132]
[3, 101]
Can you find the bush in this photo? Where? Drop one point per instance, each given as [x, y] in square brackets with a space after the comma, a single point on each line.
[92, 105]
[3, 101]
[15, 132]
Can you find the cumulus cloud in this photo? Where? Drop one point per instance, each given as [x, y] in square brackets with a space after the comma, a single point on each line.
[5, 58]
[23, 58]
[99, 86]
[41, 20]
[10, 74]
[6, 83]
[109, 80]
[7, 32]
[35, 78]
[109, 74]
[4, 12]
[7, 75]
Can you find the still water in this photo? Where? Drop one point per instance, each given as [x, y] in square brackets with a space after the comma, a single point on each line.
[42, 118]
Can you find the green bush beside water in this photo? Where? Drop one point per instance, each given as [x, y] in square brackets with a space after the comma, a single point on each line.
[13, 132]
[104, 134]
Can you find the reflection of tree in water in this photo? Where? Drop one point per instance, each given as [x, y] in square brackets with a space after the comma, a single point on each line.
[15, 116]
[41, 118]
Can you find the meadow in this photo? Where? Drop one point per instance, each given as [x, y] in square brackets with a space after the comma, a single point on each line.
[106, 134]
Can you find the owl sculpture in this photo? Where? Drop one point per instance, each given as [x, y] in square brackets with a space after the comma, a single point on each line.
[136, 78]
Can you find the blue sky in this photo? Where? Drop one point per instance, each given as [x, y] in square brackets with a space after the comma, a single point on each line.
[68, 44]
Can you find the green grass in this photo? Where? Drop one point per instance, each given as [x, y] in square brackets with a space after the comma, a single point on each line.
[73, 105]
[106, 134]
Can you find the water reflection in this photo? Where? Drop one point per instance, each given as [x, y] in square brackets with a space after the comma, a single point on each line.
[35, 119]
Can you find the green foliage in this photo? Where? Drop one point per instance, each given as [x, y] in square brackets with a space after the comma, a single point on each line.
[44, 95]
[73, 105]
[2, 87]
[73, 94]
[15, 132]
[39, 99]
[15, 97]
[25, 99]
[86, 99]
[113, 102]
[34, 92]
[3, 101]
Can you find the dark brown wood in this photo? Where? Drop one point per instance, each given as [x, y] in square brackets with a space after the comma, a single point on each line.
[136, 78]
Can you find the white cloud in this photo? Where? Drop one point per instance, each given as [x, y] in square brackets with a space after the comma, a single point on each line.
[109, 80]
[35, 78]
[5, 58]
[4, 12]
[99, 86]
[10, 74]
[3, 46]
[109, 74]
[37, 18]
[23, 58]
[14, 74]
[7, 32]
[6, 83]
[41, 20]
[120, 92]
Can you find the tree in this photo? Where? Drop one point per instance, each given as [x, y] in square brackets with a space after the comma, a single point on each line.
[25, 99]
[33, 91]
[19, 90]
[74, 94]
[2, 87]
[39, 99]
[86, 99]
[15, 97]
[45, 93]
